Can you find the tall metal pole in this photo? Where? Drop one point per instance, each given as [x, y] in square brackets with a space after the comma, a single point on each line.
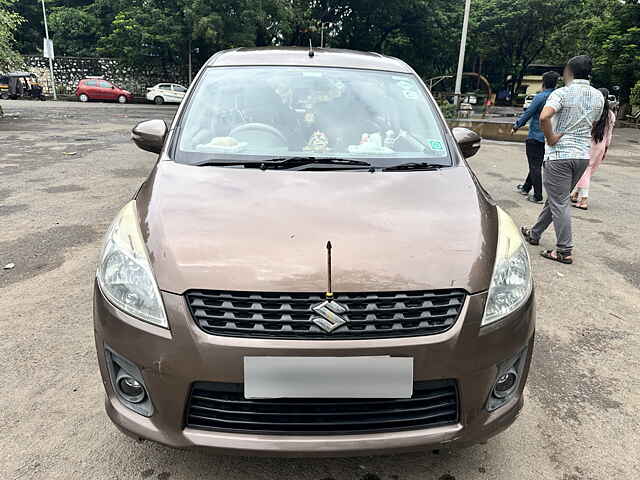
[46, 32]
[463, 45]
[190, 73]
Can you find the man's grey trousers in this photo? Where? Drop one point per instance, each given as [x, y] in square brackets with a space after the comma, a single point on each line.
[559, 179]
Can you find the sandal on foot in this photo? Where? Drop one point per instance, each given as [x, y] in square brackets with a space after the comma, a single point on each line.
[580, 206]
[526, 233]
[557, 256]
[574, 198]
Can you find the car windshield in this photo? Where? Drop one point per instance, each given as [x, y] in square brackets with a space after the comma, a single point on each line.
[261, 113]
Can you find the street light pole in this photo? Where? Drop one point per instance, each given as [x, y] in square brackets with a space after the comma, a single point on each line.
[463, 45]
[46, 32]
[190, 73]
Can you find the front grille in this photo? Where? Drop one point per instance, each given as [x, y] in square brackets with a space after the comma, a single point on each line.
[289, 315]
[222, 407]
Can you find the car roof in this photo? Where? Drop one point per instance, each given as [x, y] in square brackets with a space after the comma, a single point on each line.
[18, 74]
[300, 56]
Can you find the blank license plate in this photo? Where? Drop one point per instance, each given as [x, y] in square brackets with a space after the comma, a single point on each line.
[328, 377]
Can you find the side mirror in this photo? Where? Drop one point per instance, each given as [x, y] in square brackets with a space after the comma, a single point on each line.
[468, 140]
[150, 135]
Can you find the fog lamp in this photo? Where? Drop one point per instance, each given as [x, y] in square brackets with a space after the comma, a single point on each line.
[131, 389]
[505, 384]
[128, 383]
[509, 377]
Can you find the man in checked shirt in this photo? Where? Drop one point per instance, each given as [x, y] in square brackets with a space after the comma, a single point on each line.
[566, 119]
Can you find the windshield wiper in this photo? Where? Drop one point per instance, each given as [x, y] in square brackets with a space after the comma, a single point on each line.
[414, 166]
[285, 163]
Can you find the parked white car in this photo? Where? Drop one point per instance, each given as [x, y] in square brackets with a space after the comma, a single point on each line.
[166, 92]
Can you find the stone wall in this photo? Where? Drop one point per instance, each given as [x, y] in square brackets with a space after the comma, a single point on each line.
[68, 71]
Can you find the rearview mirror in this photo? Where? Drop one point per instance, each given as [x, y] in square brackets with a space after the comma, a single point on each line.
[149, 135]
[468, 140]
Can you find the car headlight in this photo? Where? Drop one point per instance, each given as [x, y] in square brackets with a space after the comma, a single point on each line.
[511, 283]
[124, 272]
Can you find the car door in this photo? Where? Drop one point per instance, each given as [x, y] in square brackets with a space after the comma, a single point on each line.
[89, 88]
[173, 93]
[165, 92]
[97, 90]
[107, 90]
[178, 92]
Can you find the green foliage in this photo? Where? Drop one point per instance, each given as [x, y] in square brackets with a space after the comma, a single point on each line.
[9, 22]
[74, 31]
[29, 33]
[514, 33]
[615, 45]
[424, 33]
[609, 31]
[145, 29]
[507, 35]
[635, 95]
[449, 110]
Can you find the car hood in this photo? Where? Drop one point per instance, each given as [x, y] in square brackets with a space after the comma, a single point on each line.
[251, 230]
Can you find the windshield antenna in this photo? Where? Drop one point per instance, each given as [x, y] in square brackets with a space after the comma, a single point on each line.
[311, 52]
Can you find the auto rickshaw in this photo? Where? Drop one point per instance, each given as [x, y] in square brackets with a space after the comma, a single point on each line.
[20, 85]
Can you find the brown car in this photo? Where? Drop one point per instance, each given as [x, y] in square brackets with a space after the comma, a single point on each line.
[311, 268]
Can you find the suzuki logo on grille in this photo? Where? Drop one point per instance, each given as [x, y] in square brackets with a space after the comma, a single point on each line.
[329, 318]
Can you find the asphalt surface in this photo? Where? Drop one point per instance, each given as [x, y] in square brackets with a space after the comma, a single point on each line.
[66, 169]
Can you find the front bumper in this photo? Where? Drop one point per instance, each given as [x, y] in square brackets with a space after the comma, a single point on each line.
[171, 361]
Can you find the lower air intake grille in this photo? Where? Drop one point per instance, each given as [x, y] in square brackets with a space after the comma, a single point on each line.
[222, 407]
[290, 315]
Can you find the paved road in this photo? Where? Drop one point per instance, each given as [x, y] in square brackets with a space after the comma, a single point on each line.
[66, 168]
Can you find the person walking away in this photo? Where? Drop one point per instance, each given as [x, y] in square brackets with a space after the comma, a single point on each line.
[567, 121]
[601, 137]
[535, 139]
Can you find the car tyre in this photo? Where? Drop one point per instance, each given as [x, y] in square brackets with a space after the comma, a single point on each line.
[158, 100]
[122, 99]
[84, 97]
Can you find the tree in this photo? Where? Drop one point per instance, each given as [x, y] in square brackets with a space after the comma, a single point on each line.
[508, 35]
[424, 33]
[146, 29]
[616, 46]
[9, 22]
[512, 34]
[30, 32]
[634, 98]
[608, 31]
[74, 31]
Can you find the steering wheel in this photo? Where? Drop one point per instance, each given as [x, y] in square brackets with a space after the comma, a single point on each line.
[244, 133]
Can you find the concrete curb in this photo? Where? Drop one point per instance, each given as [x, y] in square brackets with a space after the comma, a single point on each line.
[492, 130]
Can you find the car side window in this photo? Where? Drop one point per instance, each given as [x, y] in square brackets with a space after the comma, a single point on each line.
[104, 84]
[179, 88]
[165, 87]
[90, 83]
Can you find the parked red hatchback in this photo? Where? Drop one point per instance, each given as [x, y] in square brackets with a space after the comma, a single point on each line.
[99, 89]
